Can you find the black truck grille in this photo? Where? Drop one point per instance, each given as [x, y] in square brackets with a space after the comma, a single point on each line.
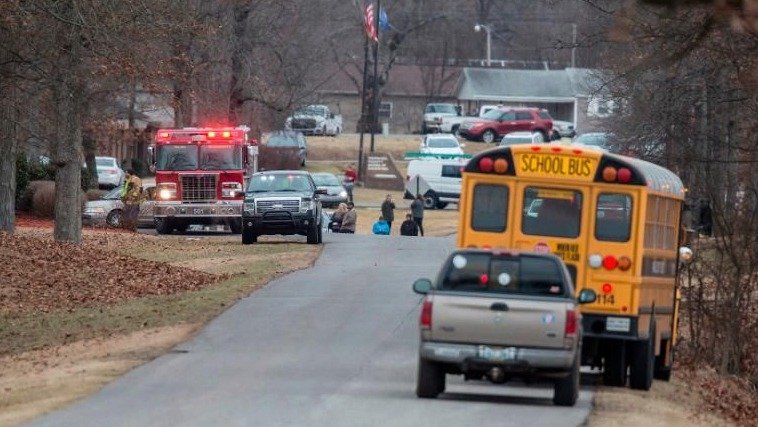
[291, 205]
[199, 187]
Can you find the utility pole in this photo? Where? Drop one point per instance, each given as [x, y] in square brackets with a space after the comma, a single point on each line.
[573, 46]
[375, 98]
[362, 120]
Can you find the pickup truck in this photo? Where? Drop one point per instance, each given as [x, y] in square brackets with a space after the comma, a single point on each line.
[445, 118]
[314, 120]
[499, 315]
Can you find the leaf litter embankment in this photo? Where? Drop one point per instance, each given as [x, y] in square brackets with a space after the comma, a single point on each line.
[39, 274]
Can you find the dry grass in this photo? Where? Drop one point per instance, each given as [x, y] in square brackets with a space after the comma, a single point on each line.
[345, 146]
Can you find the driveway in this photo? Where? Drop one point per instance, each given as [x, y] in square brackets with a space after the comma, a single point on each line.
[335, 345]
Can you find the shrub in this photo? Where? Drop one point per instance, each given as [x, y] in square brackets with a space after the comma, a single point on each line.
[43, 199]
[22, 176]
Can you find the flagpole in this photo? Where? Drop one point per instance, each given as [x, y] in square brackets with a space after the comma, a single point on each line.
[362, 120]
[375, 98]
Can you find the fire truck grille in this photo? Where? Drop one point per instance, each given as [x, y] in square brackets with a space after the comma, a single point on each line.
[303, 123]
[263, 206]
[198, 187]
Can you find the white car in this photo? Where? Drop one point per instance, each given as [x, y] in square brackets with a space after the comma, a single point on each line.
[514, 138]
[445, 144]
[109, 174]
[564, 129]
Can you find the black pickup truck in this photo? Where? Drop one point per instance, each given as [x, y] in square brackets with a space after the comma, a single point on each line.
[281, 202]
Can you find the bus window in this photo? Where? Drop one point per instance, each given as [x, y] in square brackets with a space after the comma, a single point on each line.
[613, 217]
[551, 212]
[490, 208]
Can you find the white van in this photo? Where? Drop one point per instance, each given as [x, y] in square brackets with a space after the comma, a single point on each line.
[439, 181]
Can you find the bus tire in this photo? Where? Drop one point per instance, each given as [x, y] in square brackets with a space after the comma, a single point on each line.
[614, 364]
[662, 371]
[642, 363]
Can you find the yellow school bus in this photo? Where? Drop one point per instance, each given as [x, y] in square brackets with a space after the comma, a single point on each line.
[614, 221]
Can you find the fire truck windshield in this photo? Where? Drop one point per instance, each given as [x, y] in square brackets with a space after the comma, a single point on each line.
[205, 157]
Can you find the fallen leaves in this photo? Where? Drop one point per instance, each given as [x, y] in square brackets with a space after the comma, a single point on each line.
[39, 274]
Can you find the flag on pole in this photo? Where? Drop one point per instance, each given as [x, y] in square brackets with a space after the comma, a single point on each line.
[384, 20]
[368, 21]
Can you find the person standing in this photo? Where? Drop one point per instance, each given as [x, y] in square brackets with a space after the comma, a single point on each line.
[417, 211]
[132, 197]
[408, 227]
[349, 219]
[351, 176]
[381, 227]
[388, 211]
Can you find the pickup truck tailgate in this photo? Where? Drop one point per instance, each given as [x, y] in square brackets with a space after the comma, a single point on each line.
[517, 322]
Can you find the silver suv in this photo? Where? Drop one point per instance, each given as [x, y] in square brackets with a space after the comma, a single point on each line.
[499, 315]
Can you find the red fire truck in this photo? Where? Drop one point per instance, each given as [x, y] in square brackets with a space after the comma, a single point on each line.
[199, 176]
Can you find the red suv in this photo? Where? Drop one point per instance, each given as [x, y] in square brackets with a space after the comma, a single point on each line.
[498, 122]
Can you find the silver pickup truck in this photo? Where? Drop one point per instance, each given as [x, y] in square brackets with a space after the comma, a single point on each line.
[500, 315]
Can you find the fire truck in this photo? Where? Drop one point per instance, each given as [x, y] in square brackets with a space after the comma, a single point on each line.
[200, 176]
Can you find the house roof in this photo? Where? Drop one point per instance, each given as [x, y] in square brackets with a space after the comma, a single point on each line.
[403, 80]
[488, 84]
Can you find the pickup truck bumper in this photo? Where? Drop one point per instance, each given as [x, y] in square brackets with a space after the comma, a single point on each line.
[310, 131]
[280, 222]
[230, 209]
[466, 358]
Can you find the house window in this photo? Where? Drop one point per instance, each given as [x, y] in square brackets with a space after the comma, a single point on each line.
[598, 107]
[385, 110]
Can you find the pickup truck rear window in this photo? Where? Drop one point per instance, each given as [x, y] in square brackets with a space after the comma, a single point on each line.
[488, 273]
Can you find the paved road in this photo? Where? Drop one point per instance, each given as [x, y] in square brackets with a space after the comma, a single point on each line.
[331, 346]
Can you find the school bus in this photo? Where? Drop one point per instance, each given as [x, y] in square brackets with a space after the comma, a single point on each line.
[614, 220]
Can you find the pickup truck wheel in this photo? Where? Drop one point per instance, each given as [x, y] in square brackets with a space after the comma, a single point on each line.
[488, 136]
[430, 379]
[312, 236]
[614, 364]
[566, 390]
[248, 236]
[642, 364]
[163, 226]
[431, 200]
[320, 234]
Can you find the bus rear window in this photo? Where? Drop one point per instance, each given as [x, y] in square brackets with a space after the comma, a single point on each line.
[489, 208]
[613, 217]
[551, 212]
[488, 273]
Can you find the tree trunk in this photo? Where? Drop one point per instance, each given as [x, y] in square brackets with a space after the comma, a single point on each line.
[8, 120]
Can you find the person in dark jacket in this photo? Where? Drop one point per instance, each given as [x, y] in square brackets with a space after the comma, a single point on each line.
[417, 211]
[408, 227]
[388, 210]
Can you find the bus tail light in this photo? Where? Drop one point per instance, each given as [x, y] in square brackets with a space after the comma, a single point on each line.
[610, 262]
[609, 174]
[486, 164]
[607, 288]
[501, 165]
[624, 175]
[625, 263]
[596, 260]
[425, 321]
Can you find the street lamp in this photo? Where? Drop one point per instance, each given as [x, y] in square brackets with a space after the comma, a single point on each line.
[478, 28]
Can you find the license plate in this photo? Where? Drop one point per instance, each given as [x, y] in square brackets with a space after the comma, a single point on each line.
[497, 354]
[198, 211]
[617, 324]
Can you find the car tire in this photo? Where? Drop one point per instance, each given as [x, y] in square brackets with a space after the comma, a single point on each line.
[430, 379]
[248, 236]
[566, 390]
[114, 218]
[163, 226]
[643, 362]
[489, 136]
[431, 200]
[614, 364]
[312, 235]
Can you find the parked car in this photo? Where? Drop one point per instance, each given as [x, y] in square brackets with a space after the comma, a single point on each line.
[109, 174]
[521, 138]
[500, 315]
[598, 140]
[441, 144]
[439, 181]
[442, 118]
[283, 144]
[108, 211]
[499, 122]
[335, 192]
[484, 109]
[315, 120]
[562, 129]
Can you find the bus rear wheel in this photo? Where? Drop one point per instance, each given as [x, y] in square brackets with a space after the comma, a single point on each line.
[642, 363]
[614, 364]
